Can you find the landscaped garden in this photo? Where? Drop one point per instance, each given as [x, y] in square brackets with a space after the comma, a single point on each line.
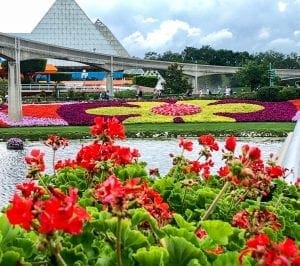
[169, 111]
[103, 208]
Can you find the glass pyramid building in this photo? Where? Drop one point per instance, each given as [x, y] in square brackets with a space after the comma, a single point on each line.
[66, 24]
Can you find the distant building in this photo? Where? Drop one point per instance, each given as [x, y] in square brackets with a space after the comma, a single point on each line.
[65, 24]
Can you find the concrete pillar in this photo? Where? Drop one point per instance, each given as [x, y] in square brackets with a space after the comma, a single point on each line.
[109, 84]
[14, 92]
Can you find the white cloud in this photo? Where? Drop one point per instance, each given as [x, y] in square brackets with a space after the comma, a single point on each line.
[162, 35]
[281, 44]
[281, 6]
[145, 20]
[297, 33]
[264, 33]
[217, 36]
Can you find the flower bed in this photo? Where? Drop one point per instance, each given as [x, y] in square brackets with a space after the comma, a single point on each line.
[103, 208]
[83, 113]
[15, 144]
[272, 111]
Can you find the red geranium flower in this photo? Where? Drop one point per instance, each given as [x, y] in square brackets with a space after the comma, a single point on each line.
[56, 142]
[230, 143]
[185, 144]
[20, 213]
[258, 240]
[209, 140]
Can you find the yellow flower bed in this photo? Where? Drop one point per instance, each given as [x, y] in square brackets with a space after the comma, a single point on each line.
[207, 113]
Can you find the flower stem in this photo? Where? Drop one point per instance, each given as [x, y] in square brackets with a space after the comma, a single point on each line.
[212, 207]
[56, 252]
[119, 251]
[53, 161]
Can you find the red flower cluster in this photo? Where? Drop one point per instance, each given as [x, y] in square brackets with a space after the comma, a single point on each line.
[269, 253]
[255, 221]
[185, 144]
[56, 142]
[117, 197]
[248, 169]
[46, 210]
[107, 130]
[209, 141]
[90, 155]
[35, 162]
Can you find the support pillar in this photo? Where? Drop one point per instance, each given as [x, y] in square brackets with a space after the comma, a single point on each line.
[14, 92]
[109, 79]
[109, 84]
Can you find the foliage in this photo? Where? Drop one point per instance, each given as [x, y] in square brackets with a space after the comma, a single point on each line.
[253, 74]
[208, 55]
[33, 65]
[125, 94]
[268, 93]
[57, 77]
[147, 81]
[175, 82]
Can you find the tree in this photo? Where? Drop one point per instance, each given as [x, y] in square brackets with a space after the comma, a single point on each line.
[175, 81]
[253, 75]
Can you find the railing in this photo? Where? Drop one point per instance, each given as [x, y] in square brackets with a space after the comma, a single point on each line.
[76, 87]
[289, 155]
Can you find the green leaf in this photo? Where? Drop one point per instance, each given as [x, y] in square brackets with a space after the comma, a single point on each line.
[227, 259]
[9, 233]
[181, 232]
[10, 258]
[133, 239]
[74, 256]
[26, 245]
[183, 223]
[219, 231]
[181, 252]
[155, 256]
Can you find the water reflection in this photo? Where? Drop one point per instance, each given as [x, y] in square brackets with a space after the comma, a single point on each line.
[154, 152]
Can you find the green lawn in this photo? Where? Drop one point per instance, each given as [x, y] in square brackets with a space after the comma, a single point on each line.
[148, 130]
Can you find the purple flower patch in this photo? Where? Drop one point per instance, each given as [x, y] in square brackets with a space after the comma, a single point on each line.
[75, 113]
[272, 112]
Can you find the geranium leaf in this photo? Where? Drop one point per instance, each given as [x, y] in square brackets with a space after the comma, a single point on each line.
[219, 231]
[155, 256]
[181, 252]
[10, 258]
[227, 259]
[183, 223]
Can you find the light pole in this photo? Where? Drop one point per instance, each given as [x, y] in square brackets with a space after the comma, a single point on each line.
[196, 78]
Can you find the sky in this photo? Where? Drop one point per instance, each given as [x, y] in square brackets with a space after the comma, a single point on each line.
[171, 25]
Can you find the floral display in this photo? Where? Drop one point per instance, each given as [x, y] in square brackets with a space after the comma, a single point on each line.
[272, 111]
[15, 144]
[170, 111]
[103, 208]
[175, 109]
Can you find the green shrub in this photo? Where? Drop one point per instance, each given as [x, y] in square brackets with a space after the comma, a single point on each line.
[268, 94]
[288, 94]
[125, 94]
[147, 81]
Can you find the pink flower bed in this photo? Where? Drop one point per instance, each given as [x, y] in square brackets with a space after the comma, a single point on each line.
[174, 109]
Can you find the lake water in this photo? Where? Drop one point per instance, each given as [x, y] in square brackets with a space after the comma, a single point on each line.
[154, 152]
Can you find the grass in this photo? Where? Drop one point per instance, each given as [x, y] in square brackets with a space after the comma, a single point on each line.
[276, 129]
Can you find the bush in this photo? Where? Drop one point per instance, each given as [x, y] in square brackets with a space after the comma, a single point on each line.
[288, 94]
[147, 81]
[269, 94]
[125, 94]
